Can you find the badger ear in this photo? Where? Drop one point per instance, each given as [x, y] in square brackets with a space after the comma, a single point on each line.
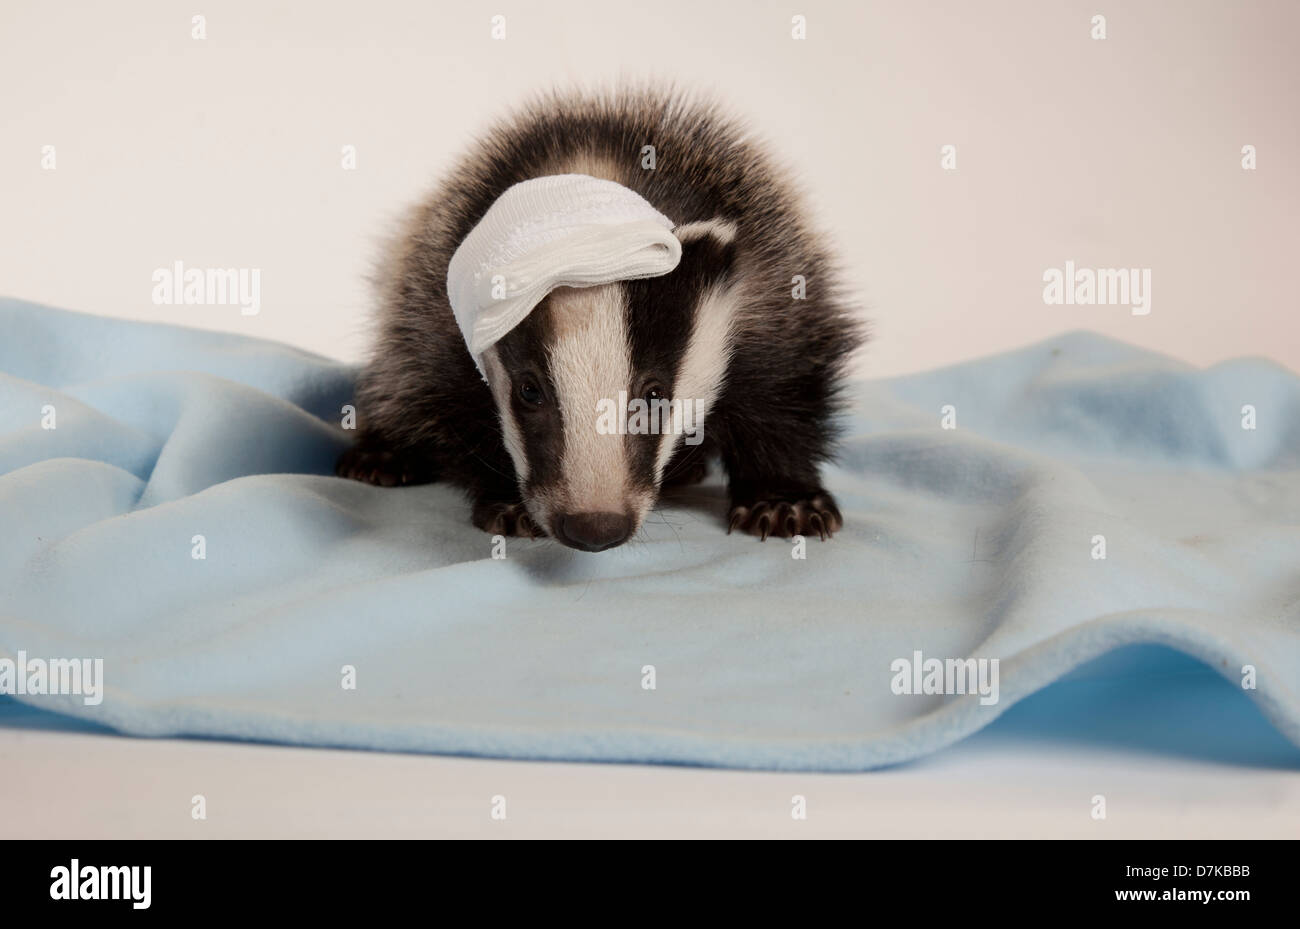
[708, 247]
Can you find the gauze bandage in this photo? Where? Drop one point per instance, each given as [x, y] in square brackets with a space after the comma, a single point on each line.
[567, 230]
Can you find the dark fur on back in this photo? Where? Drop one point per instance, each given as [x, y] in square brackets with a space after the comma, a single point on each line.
[425, 414]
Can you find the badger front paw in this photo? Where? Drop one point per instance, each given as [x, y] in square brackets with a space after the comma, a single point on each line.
[786, 514]
[382, 466]
[684, 471]
[505, 517]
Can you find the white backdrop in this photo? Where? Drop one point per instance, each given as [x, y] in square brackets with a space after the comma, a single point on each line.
[1123, 152]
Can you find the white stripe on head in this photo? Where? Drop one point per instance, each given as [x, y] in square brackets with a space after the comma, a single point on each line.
[703, 367]
[724, 230]
[502, 389]
[590, 361]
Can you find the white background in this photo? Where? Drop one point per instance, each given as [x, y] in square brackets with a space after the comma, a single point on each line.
[1117, 153]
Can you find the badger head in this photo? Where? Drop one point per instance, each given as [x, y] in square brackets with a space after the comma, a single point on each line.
[599, 386]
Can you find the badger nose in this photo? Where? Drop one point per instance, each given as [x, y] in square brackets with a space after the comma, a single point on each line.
[594, 532]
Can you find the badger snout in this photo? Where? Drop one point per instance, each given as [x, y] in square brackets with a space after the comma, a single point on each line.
[592, 532]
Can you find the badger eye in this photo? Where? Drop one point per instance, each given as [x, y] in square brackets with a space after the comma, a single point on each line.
[653, 392]
[530, 393]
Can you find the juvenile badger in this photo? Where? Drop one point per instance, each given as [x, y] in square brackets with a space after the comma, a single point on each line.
[750, 326]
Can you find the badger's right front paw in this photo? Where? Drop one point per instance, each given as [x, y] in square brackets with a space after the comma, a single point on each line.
[505, 517]
[381, 466]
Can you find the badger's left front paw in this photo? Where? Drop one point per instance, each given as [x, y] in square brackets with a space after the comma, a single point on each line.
[786, 514]
[505, 517]
[683, 471]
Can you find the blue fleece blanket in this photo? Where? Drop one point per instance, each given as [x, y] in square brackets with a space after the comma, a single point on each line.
[167, 506]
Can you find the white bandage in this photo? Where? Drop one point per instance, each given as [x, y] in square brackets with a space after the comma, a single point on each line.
[566, 230]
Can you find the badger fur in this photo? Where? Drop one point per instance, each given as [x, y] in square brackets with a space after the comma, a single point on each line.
[723, 328]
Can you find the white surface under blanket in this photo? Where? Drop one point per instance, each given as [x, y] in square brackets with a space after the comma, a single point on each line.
[1189, 756]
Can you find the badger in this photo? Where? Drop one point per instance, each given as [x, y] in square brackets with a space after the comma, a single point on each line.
[751, 325]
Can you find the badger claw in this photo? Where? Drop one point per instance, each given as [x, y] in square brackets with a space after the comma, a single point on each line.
[382, 467]
[786, 515]
[508, 518]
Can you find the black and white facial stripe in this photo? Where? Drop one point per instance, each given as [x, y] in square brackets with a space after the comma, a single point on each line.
[664, 337]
